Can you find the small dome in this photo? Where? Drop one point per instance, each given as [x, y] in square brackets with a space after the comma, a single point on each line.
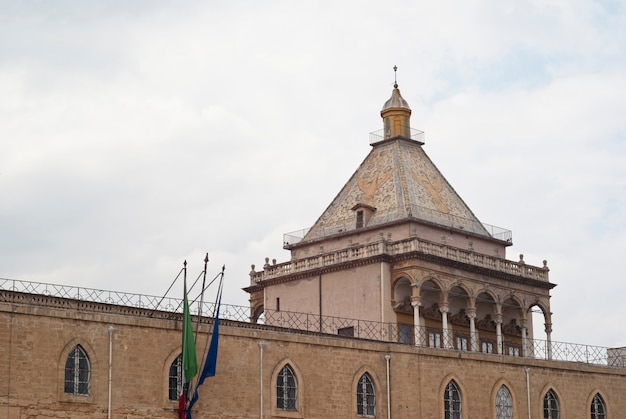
[396, 100]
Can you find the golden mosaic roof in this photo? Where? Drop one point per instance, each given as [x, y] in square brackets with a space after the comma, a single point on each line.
[400, 181]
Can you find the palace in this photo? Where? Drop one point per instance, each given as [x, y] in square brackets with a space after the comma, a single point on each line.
[397, 303]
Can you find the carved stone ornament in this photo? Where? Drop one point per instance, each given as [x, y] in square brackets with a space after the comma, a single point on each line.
[460, 318]
[487, 324]
[404, 306]
[431, 312]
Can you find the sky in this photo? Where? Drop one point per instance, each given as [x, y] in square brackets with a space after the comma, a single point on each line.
[137, 135]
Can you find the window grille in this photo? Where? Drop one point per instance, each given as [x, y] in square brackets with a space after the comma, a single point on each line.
[365, 397]
[598, 410]
[176, 378]
[452, 401]
[286, 389]
[550, 406]
[486, 347]
[77, 372]
[504, 404]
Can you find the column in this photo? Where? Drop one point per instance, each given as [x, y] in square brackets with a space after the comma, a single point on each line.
[443, 307]
[471, 314]
[417, 327]
[549, 340]
[498, 320]
[523, 324]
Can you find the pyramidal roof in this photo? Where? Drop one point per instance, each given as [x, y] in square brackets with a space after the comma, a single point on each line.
[396, 181]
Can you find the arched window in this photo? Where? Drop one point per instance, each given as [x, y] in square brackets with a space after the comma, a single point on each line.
[77, 372]
[504, 404]
[452, 401]
[365, 397]
[286, 390]
[598, 410]
[550, 406]
[175, 378]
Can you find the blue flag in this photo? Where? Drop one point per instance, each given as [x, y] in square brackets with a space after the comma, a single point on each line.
[211, 358]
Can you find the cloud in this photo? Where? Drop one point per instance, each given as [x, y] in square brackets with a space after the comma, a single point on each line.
[137, 136]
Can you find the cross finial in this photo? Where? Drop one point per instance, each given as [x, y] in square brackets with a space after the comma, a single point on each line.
[395, 76]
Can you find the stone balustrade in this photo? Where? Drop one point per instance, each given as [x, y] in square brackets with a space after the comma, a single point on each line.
[398, 248]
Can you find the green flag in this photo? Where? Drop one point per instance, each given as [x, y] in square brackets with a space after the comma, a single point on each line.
[190, 363]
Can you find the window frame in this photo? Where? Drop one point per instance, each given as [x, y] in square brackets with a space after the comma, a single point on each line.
[286, 394]
[508, 412]
[597, 401]
[175, 379]
[75, 357]
[452, 403]
[365, 397]
[551, 408]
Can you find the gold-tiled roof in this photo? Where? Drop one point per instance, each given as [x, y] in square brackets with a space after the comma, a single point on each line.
[400, 181]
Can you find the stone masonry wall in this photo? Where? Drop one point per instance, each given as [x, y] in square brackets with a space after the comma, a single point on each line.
[36, 338]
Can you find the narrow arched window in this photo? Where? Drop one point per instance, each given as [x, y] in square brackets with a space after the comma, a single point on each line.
[175, 378]
[286, 390]
[550, 406]
[365, 397]
[504, 404]
[598, 410]
[452, 401]
[77, 373]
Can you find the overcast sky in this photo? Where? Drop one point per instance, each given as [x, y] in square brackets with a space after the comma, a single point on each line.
[135, 135]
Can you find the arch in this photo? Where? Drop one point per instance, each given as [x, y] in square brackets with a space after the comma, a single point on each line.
[486, 327]
[539, 332]
[459, 283]
[77, 374]
[365, 370]
[459, 301]
[433, 280]
[503, 405]
[597, 406]
[402, 290]
[89, 388]
[287, 389]
[451, 397]
[173, 371]
[365, 397]
[551, 407]
[513, 320]
[403, 274]
[257, 314]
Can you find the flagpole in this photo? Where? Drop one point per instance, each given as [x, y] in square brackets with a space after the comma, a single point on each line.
[189, 360]
[209, 367]
[206, 261]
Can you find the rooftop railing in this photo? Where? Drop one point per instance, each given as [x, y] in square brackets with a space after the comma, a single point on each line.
[422, 213]
[326, 325]
[378, 136]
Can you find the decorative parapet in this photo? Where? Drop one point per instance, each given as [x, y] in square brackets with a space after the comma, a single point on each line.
[397, 248]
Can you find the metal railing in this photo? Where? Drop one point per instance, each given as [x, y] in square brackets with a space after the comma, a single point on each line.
[451, 341]
[378, 136]
[420, 212]
[19, 292]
